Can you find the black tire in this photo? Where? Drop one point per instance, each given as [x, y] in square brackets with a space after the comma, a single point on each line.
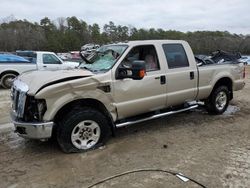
[211, 103]
[5, 80]
[69, 123]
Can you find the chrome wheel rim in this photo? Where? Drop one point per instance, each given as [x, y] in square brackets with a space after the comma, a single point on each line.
[9, 81]
[221, 100]
[85, 134]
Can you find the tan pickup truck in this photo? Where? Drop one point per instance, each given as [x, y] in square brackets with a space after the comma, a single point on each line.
[119, 85]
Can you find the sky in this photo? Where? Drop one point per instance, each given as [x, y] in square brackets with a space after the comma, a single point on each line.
[181, 15]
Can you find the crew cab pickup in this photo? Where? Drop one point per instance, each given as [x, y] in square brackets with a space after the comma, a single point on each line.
[38, 61]
[119, 85]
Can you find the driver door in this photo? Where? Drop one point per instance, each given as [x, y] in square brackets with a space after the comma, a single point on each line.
[133, 97]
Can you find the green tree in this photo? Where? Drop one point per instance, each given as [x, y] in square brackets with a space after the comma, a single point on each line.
[66, 34]
[95, 33]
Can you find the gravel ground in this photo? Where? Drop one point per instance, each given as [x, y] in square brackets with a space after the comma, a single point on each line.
[214, 150]
[4, 106]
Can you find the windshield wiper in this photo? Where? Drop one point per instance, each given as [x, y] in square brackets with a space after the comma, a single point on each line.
[86, 68]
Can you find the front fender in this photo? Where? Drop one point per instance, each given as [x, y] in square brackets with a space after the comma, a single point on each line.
[59, 95]
[55, 104]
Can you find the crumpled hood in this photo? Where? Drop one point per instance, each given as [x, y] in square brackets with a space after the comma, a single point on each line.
[39, 79]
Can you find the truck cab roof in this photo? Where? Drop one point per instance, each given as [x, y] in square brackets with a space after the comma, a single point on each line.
[141, 42]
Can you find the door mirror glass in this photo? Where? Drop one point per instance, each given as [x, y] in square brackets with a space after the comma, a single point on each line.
[136, 71]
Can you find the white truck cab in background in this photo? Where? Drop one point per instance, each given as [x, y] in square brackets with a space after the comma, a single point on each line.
[41, 60]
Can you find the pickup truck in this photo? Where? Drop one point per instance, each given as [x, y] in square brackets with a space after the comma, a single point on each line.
[40, 60]
[119, 85]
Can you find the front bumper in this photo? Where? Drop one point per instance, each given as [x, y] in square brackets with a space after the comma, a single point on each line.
[33, 130]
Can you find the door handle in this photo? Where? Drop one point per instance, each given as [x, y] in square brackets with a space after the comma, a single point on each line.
[192, 75]
[44, 66]
[161, 78]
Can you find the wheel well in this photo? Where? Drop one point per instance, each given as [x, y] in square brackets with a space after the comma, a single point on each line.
[93, 103]
[8, 72]
[225, 82]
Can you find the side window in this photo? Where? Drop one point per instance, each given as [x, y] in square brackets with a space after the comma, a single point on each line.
[146, 53]
[50, 59]
[175, 55]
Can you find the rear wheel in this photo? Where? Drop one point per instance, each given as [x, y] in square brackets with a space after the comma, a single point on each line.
[82, 129]
[7, 80]
[218, 101]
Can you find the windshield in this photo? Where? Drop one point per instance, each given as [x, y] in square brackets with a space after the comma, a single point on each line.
[104, 58]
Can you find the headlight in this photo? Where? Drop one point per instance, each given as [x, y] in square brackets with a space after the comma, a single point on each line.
[41, 106]
[34, 109]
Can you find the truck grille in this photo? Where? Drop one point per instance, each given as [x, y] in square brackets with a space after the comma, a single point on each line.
[18, 101]
[15, 97]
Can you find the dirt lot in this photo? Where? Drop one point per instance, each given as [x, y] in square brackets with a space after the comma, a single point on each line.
[214, 150]
[4, 105]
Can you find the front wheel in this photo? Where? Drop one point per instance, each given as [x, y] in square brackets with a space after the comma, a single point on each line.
[218, 101]
[82, 129]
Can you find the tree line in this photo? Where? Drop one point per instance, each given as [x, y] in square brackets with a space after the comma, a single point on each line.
[67, 34]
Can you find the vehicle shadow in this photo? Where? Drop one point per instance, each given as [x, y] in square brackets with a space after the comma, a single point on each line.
[167, 123]
[1, 88]
[186, 120]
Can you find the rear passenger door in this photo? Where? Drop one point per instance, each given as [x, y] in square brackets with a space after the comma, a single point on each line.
[181, 74]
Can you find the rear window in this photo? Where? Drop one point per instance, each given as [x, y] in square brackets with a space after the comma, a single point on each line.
[175, 55]
[31, 56]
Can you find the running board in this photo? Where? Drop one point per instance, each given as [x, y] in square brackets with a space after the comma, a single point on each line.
[155, 116]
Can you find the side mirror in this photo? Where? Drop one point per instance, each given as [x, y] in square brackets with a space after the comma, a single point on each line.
[136, 72]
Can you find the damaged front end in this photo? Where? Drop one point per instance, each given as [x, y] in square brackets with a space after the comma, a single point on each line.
[27, 113]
